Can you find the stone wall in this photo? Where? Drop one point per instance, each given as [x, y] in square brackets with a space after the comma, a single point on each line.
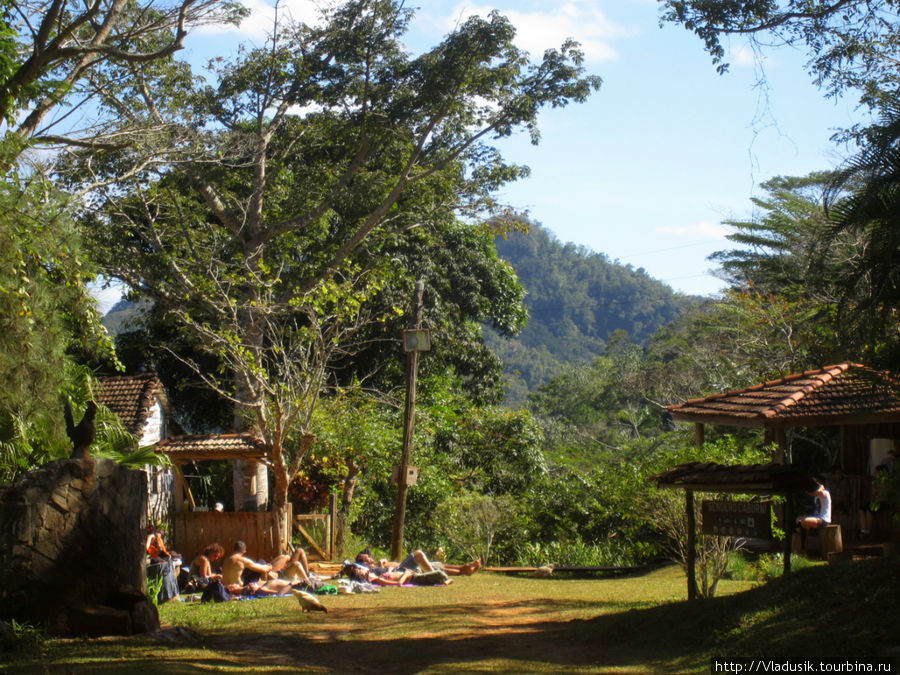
[72, 553]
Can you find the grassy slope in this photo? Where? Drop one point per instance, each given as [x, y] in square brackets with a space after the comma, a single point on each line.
[493, 623]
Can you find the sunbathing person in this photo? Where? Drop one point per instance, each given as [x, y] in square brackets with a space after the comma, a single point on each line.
[377, 576]
[292, 567]
[417, 561]
[235, 565]
[239, 571]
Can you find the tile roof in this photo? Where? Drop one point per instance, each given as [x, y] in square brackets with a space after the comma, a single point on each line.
[209, 447]
[131, 397]
[769, 478]
[847, 393]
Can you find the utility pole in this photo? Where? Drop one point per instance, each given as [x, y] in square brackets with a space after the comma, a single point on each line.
[412, 362]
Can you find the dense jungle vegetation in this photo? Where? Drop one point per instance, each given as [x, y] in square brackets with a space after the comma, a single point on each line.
[274, 254]
[577, 300]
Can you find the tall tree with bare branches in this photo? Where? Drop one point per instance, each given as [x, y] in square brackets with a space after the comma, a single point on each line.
[264, 212]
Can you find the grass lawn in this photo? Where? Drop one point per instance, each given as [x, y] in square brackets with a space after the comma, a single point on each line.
[496, 623]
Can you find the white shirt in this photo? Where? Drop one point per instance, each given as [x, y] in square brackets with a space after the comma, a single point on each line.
[823, 506]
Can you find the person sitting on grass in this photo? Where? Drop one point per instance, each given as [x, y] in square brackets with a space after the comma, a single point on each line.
[202, 566]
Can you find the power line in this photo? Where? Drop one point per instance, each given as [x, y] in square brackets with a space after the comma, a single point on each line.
[670, 248]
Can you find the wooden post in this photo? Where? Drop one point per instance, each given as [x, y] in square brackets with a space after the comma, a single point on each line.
[783, 455]
[178, 488]
[788, 527]
[698, 434]
[690, 556]
[332, 525]
[412, 362]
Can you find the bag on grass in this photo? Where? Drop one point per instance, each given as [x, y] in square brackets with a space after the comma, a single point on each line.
[215, 592]
[432, 578]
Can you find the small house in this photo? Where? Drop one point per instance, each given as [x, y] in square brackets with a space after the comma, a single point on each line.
[140, 402]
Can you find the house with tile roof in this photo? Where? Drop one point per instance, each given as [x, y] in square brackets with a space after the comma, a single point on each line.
[140, 402]
[861, 402]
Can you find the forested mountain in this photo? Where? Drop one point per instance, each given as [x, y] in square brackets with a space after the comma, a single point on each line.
[577, 300]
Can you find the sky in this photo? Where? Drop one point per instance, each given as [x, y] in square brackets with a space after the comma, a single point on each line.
[648, 169]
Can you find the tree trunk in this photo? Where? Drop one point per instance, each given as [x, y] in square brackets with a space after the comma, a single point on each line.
[282, 483]
[279, 498]
[343, 514]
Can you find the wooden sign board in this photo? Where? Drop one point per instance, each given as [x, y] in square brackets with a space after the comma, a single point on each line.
[736, 519]
[412, 475]
[417, 340]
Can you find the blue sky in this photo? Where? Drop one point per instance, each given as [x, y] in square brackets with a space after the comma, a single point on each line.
[646, 171]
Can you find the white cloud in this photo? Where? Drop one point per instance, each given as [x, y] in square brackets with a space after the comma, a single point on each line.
[259, 22]
[537, 30]
[701, 229]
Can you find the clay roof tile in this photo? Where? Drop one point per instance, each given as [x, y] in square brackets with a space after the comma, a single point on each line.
[131, 397]
[829, 395]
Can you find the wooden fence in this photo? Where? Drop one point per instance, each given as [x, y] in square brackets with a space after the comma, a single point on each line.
[195, 530]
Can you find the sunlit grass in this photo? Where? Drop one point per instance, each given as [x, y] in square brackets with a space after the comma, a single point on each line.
[496, 623]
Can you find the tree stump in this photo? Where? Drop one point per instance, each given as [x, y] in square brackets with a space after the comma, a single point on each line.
[830, 540]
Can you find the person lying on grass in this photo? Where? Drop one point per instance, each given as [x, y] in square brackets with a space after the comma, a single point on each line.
[416, 562]
[393, 577]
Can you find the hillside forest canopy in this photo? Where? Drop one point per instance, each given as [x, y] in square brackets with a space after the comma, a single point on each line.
[271, 218]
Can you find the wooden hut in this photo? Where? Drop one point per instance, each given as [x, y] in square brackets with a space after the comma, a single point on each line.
[194, 530]
[862, 402]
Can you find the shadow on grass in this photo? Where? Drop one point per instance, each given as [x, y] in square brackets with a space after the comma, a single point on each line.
[819, 612]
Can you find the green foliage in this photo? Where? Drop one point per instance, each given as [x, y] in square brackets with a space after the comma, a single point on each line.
[470, 522]
[743, 566]
[492, 450]
[47, 319]
[28, 637]
[851, 44]
[578, 553]
[864, 204]
[154, 586]
[577, 302]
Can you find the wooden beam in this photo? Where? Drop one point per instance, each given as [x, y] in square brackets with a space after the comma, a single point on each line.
[179, 488]
[788, 527]
[312, 542]
[691, 555]
[733, 488]
[783, 454]
[698, 434]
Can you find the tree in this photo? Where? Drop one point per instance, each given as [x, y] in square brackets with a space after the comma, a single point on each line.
[261, 219]
[354, 437]
[864, 204]
[50, 51]
[852, 44]
[471, 521]
[47, 319]
[467, 286]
